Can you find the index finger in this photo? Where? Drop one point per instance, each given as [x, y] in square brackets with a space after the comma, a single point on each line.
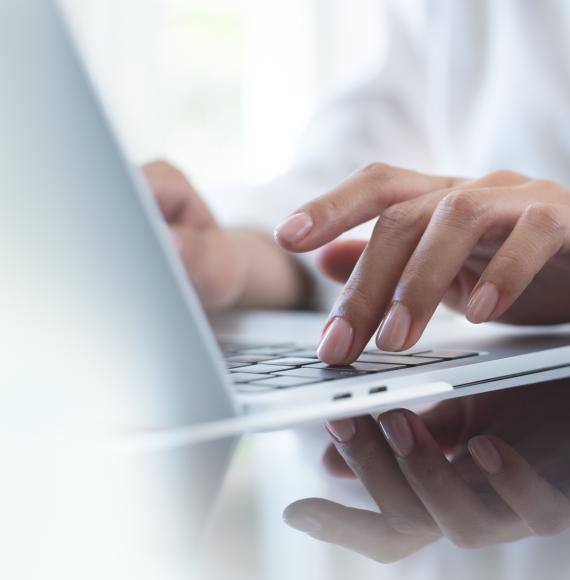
[362, 197]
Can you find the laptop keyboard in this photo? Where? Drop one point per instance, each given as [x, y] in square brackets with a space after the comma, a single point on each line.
[262, 368]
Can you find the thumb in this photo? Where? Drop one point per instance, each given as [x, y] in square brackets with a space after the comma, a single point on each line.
[338, 259]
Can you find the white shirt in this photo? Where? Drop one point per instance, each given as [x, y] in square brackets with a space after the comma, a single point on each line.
[468, 87]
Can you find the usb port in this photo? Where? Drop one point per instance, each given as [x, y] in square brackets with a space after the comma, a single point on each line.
[376, 390]
[342, 396]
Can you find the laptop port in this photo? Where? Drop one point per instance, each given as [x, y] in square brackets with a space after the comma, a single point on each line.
[377, 390]
[342, 397]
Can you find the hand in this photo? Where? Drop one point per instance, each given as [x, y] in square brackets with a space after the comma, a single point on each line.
[211, 256]
[228, 266]
[481, 470]
[496, 249]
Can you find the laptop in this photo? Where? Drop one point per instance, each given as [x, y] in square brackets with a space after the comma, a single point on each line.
[101, 332]
[97, 306]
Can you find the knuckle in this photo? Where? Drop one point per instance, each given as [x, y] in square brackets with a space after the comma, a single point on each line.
[328, 209]
[545, 217]
[356, 296]
[419, 282]
[547, 185]
[460, 208]
[504, 177]
[429, 478]
[364, 457]
[512, 264]
[378, 170]
[399, 216]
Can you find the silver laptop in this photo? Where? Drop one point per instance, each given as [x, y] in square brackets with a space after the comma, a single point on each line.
[100, 330]
[97, 308]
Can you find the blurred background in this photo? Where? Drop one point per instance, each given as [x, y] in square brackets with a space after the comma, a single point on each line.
[224, 88]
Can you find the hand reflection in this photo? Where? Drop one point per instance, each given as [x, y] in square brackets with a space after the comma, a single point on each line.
[480, 470]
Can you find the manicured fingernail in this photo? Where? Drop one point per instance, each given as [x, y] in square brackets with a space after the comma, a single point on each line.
[485, 454]
[395, 328]
[302, 522]
[398, 433]
[337, 342]
[343, 431]
[294, 229]
[483, 303]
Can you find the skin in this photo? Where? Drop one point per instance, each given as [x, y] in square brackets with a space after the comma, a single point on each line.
[228, 267]
[477, 471]
[447, 484]
[494, 249]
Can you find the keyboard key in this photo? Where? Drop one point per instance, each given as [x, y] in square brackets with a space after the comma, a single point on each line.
[268, 350]
[447, 354]
[265, 369]
[405, 353]
[237, 347]
[329, 374]
[281, 382]
[305, 353]
[234, 365]
[238, 378]
[360, 366]
[291, 361]
[410, 361]
[247, 359]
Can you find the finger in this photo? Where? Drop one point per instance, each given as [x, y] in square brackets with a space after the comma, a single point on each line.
[361, 531]
[541, 232]
[197, 249]
[338, 259]
[336, 465]
[446, 423]
[178, 201]
[544, 509]
[460, 514]
[365, 451]
[459, 220]
[359, 199]
[362, 304]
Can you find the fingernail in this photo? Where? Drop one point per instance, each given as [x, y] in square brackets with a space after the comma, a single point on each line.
[483, 303]
[294, 228]
[302, 522]
[395, 328]
[398, 433]
[486, 455]
[343, 431]
[337, 342]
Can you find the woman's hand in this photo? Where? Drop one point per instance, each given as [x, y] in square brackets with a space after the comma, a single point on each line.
[482, 470]
[211, 258]
[228, 267]
[495, 249]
